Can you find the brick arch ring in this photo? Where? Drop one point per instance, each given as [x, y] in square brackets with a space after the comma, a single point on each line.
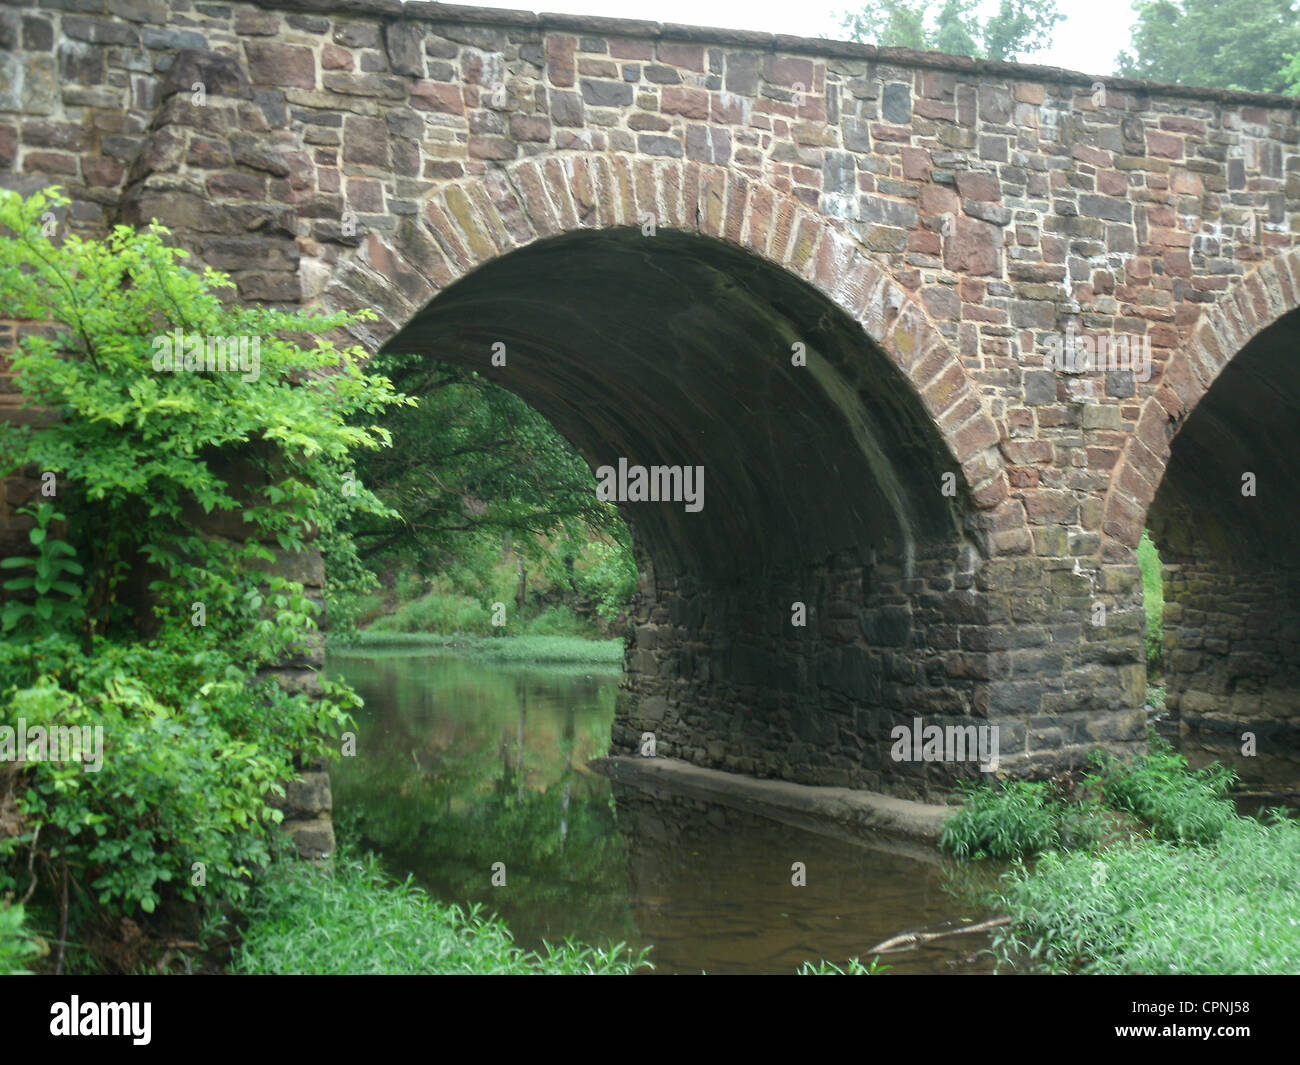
[1252, 304]
[466, 223]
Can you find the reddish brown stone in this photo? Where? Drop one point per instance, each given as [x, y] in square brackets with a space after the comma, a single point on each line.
[788, 71]
[237, 186]
[973, 247]
[1164, 145]
[597, 68]
[51, 163]
[280, 65]
[530, 127]
[559, 59]
[332, 57]
[685, 56]
[1112, 183]
[365, 195]
[492, 148]
[8, 146]
[916, 164]
[627, 48]
[435, 96]
[976, 186]
[691, 103]
[101, 172]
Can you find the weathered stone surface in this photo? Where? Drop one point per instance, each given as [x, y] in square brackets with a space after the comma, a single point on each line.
[218, 75]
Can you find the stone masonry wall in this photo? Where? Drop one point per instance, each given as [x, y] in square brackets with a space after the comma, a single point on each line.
[1232, 653]
[722, 678]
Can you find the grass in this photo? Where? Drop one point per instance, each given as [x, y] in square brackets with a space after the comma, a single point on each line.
[1153, 600]
[853, 968]
[19, 946]
[1150, 906]
[354, 920]
[539, 649]
[438, 612]
[1144, 867]
[1179, 805]
[441, 613]
[1013, 819]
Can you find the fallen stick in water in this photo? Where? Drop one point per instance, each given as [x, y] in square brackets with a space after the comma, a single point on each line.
[908, 940]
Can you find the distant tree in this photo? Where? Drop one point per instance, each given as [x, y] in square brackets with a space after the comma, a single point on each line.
[889, 24]
[951, 26]
[1231, 44]
[1020, 26]
[957, 29]
[473, 459]
[1291, 72]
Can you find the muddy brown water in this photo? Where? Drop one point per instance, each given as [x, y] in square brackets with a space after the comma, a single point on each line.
[464, 768]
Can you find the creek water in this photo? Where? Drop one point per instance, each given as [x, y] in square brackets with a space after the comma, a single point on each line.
[461, 765]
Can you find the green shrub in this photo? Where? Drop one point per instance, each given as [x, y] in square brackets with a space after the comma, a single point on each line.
[193, 750]
[148, 450]
[409, 586]
[53, 568]
[19, 947]
[611, 577]
[439, 612]
[154, 453]
[556, 621]
[1008, 820]
[1205, 891]
[1178, 804]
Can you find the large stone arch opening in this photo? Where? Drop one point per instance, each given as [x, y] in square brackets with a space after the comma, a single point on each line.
[825, 483]
[1224, 518]
[1224, 409]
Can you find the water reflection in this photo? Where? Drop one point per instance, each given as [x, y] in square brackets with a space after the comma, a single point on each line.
[461, 765]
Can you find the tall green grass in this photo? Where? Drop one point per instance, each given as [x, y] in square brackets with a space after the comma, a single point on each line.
[1150, 906]
[354, 920]
[1016, 818]
[529, 649]
[438, 612]
[853, 967]
[1157, 787]
[1148, 869]
[1153, 601]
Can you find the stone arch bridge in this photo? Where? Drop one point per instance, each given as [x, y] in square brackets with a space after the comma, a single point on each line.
[845, 281]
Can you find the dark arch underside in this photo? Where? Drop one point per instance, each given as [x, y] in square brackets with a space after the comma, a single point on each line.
[676, 350]
[1230, 566]
[1247, 423]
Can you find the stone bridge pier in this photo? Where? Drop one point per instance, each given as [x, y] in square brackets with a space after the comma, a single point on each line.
[943, 335]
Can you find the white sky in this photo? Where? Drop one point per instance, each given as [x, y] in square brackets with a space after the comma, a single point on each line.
[1093, 30]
